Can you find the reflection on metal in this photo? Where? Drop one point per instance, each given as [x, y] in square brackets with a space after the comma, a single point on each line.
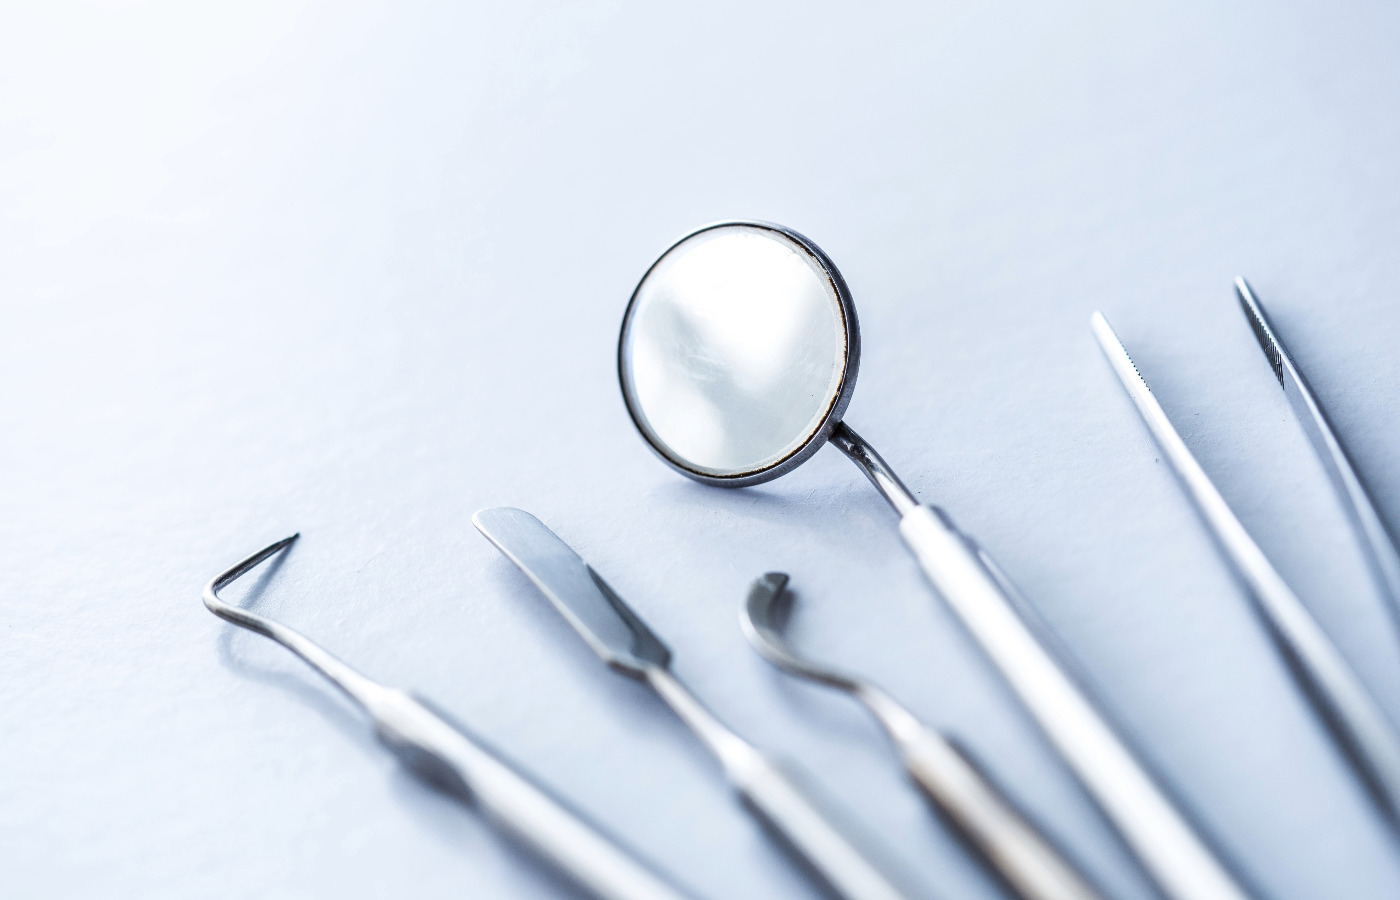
[988, 820]
[779, 798]
[1170, 849]
[1343, 702]
[738, 352]
[448, 757]
[1376, 542]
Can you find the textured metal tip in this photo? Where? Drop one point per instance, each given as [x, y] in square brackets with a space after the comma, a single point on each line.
[1259, 324]
[1117, 354]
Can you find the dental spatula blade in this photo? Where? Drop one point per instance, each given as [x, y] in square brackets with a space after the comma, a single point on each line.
[1345, 705]
[780, 798]
[448, 756]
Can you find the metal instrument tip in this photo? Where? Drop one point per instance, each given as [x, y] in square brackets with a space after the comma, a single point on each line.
[1259, 324]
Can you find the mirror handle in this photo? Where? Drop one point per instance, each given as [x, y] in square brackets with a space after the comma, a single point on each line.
[1174, 855]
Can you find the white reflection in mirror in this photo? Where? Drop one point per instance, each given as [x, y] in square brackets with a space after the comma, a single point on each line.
[735, 349]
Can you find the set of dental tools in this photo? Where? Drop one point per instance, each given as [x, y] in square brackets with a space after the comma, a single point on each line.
[737, 359]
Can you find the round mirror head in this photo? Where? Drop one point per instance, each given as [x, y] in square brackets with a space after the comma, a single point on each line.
[738, 352]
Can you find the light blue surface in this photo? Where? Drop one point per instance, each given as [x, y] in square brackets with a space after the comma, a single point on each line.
[357, 271]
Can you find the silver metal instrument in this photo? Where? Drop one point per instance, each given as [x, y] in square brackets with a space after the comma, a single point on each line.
[1377, 543]
[624, 642]
[737, 358]
[1343, 702]
[448, 757]
[988, 820]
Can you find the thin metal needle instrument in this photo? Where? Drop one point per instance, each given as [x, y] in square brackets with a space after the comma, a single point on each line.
[1377, 543]
[448, 757]
[1342, 700]
[1007, 842]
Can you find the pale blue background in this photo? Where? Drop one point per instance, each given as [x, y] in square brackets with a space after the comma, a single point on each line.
[357, 270]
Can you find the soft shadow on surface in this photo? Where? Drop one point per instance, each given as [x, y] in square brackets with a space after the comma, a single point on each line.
[765, 502]
[658, 714]
[449, 814]
[445, 819]
[305, 685]
[832, 711]
[561, 640]
[1223, 467]
[768, 506]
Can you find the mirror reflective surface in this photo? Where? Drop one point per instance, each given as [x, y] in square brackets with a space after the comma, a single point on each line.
[736, 351]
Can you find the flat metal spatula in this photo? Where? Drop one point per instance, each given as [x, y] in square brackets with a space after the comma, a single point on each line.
[768, 788]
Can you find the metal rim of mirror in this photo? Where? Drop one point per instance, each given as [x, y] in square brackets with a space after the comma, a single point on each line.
[835, 409]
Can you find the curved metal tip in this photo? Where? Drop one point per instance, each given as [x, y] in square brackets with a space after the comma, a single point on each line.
[767, 602]
[233, 573]
[758, 615]
[356, 686]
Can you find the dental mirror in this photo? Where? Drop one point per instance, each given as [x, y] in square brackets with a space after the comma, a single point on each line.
[737, 359]
[739, 352]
